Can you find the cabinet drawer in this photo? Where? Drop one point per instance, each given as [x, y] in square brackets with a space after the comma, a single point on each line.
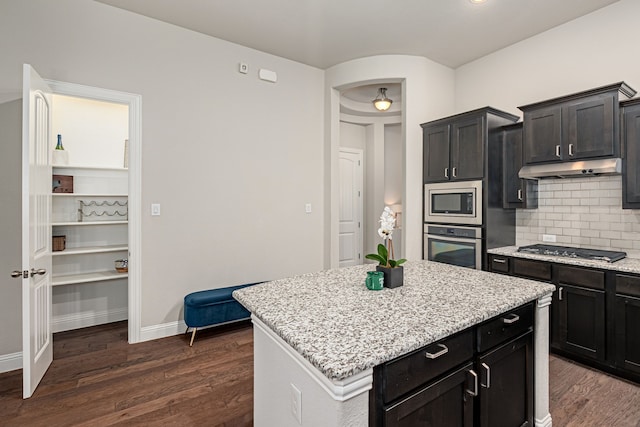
[581, 277]
[500, 263]
[628, 285]
[504, 327]
[532, 269]
[408, 372]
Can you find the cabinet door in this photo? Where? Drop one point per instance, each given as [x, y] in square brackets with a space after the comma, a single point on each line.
[579, 321]
[436, 141]
[517, 193]
[543, 135]
[627, 335]
[591, 129]
[630, 170]
[506, 384]
[467, 149]
[446, 402]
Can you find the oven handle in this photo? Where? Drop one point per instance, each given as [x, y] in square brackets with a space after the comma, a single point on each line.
[454, 239]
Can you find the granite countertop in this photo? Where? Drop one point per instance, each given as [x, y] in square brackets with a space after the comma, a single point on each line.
[627, 265]
[342, 328]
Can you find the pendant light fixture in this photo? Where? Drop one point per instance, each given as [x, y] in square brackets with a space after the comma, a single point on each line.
[382, 103]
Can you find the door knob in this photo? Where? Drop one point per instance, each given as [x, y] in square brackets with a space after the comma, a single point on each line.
[40, 271]
[17, 273]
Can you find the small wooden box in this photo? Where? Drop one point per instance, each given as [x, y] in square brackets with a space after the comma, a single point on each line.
[59, 243]
[62, 183]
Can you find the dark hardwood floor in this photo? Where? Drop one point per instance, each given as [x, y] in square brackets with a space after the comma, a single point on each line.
[97, 379]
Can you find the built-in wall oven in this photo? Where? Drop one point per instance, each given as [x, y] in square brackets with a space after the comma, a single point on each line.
[456, 245]
[458, 202]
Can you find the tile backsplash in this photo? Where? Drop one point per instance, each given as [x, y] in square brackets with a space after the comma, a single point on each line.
[581, 212]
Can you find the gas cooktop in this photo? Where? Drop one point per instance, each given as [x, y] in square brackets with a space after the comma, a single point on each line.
[565, 251]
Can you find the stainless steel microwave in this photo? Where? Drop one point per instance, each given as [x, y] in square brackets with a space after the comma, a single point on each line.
[458, 202]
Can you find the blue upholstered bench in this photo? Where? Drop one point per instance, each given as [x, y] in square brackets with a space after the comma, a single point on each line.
[213, 307]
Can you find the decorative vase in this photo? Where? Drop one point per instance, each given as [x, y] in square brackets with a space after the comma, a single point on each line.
[393, 277]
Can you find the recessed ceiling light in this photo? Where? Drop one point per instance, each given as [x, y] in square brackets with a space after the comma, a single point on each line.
[477, 1]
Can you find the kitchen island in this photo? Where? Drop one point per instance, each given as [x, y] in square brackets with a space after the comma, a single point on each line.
[319, 336]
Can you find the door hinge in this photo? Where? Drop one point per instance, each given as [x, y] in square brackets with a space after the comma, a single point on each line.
[358, 224]
[358, 193]
[358, 256]
[358, 162]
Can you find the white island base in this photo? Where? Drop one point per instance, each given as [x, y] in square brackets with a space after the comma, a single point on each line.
[280, 372]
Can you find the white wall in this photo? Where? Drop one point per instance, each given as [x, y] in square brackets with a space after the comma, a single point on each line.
[10, 238]
[231, 158]
[93, 132]
[595, 50]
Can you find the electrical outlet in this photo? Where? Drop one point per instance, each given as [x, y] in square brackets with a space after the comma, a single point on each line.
[551, 238]
[243, 68]
[296, 403]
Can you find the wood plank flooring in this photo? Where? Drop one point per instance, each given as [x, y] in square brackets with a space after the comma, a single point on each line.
[97, 379]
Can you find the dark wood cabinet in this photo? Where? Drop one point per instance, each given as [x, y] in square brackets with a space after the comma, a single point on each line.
[627, 321]
[456, 147]
[595, 313]
[631, 159]
[447, 402]
[575, 127]
[506, 384]
[580, 312]
[517, 192]
[467, 379]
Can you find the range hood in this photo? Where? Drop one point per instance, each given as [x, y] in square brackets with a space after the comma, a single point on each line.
[610, 166]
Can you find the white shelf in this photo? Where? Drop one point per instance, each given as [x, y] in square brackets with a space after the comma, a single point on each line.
[98, 276]
[91, 250]
[96, 168]
[87, 195]
[60, 224]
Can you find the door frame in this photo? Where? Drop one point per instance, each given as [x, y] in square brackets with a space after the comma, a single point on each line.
[360, 153]
[134, 102]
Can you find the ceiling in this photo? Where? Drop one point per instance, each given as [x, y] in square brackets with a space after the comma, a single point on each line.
[323, 33]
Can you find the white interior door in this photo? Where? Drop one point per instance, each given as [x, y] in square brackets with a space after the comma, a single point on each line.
[350, 229]
[37, 338]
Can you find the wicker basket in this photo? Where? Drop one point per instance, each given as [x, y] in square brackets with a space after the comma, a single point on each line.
[59, 243]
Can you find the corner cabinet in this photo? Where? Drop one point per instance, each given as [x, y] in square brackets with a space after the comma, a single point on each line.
[455, 148]
[90, 226]
[631, 159]
[517, 192]
[574, 127]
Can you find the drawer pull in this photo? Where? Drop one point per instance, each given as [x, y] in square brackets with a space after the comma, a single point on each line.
[473, 392]
[500, 260]
[444, 350]
[560, 294]
[512, 318]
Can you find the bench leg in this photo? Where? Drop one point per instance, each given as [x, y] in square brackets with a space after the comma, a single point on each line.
[193, 335]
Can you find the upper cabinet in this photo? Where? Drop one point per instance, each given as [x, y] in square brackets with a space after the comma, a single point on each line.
[631, 160]
[455, 148]
[517, 192]
[574, 127]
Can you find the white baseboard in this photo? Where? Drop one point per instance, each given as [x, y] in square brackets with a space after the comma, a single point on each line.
[10, 362]
[148, 333]
[83, 320]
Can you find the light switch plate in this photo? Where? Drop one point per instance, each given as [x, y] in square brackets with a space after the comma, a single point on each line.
[155, 209]
[307, 208]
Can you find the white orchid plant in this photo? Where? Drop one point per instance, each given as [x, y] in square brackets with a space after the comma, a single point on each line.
[385, 253]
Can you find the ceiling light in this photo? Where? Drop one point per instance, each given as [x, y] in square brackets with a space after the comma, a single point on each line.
[382, 103]
[477, 1]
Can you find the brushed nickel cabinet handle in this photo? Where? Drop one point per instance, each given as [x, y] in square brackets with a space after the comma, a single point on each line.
[453, 172]
[512, 318]
[571, 149]
[444, 350]
[560, 293]
[473, 392]
[557, 151]
[520, 194]
[500, 260]
[446, 172]
[487, 370]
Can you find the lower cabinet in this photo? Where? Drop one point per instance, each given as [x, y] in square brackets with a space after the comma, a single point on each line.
[482, 376]
[580, 321]
[506, 384]
[595, 313]
[446, 402]
[627, 321]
